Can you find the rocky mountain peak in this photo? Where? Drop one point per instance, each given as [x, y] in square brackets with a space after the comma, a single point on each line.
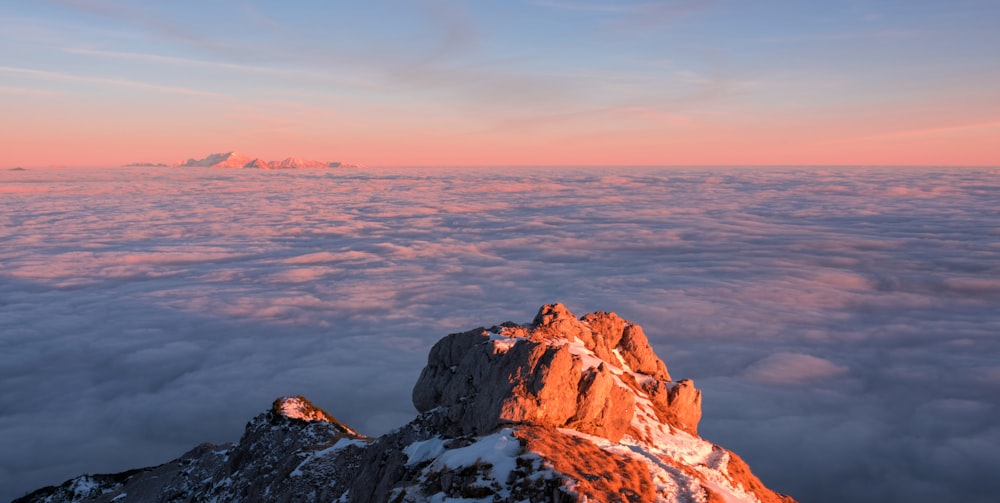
[610, 338]
[560, 409]
[257, 163]
[596, 374]
[297, 408]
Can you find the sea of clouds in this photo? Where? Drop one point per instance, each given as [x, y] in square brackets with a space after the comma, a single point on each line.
[844, 324]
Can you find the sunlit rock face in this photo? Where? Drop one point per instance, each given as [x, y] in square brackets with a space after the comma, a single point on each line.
[298, 408]
[560, 409]
[586, 374]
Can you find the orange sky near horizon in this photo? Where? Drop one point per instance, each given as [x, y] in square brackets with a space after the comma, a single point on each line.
[96, 144]
[577, 84]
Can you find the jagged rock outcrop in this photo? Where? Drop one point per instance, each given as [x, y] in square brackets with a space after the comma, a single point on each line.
[559, 371]
[560, 409]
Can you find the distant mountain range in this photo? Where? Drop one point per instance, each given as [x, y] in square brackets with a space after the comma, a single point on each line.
[238, 160]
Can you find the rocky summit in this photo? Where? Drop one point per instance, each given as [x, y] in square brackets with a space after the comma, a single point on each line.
[560, 409]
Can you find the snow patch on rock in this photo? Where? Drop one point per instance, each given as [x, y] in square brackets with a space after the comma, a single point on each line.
[296, 407]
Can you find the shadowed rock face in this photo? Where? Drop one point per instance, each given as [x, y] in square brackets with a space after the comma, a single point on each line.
[560, 409]
[263, 464]
[561, 371]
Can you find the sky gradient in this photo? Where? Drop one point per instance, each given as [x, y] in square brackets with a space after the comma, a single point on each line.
[544, 82]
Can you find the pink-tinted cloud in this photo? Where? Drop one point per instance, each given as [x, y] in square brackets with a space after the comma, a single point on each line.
[793, 369]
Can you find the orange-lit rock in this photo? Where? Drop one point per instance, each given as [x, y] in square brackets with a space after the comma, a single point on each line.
[558, 371]
[600, 475]
[603, 407]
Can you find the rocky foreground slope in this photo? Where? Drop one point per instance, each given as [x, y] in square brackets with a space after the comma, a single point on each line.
[561, 409]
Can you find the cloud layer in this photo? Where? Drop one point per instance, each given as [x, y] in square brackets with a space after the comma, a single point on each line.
[842, 323]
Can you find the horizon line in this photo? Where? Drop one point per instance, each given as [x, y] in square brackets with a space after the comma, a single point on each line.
[482, 166]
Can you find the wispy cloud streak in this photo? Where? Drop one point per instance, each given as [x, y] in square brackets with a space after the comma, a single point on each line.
[174, 60]
[917, 133]
[61, 76]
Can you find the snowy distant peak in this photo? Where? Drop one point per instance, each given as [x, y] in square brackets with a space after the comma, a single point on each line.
[296, 162]
[257, 163]
[238, 160]
[218, 160]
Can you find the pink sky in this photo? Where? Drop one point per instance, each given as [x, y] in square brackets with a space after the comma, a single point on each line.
[62, 129]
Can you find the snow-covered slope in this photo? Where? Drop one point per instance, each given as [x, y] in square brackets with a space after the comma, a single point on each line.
[560, 409]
